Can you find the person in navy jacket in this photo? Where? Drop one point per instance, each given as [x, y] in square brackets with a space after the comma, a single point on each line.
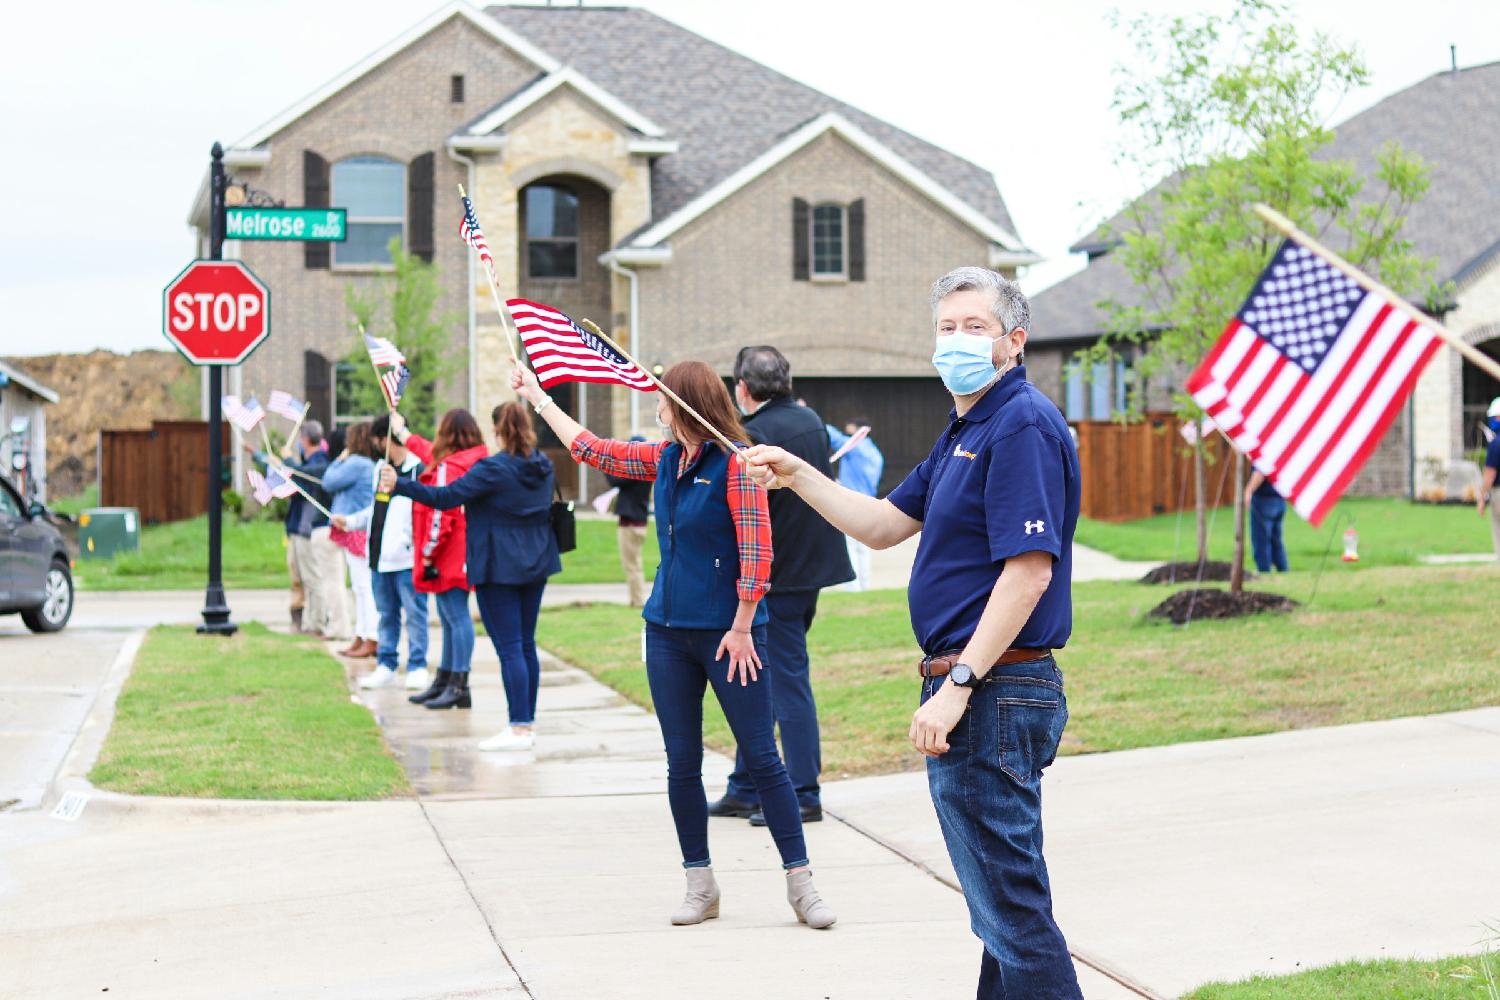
[511, 550]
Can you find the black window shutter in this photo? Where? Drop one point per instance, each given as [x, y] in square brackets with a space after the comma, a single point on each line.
[857, 240]
[315, 195]
[801, 266]
[419, 183]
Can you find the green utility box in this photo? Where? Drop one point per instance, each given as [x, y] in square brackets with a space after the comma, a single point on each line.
[105, 532]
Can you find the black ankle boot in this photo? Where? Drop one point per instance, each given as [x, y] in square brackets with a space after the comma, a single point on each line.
[433, 690]
[455, 695]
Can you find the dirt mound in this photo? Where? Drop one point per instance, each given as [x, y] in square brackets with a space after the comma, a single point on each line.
[1208, 602]
[1190, 572]
[101, 390]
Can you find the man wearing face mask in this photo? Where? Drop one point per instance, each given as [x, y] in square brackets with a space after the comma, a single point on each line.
[810, 555]
[990, 598]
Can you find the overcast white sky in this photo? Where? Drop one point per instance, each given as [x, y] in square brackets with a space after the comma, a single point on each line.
[109, 111]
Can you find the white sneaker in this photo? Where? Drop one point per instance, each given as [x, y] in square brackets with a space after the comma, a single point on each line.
[378, 678]
[417, 680]
[509, 739]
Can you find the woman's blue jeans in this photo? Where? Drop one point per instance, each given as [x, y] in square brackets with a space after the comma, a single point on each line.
[1266, 515]
[509, 612]
[679, 665]
[458, 629]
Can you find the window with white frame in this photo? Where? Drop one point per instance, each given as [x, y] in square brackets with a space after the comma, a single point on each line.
[829, 234]
[551, 232]
[373, 190]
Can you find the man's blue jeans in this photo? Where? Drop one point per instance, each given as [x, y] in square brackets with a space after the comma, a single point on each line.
[458, 629]
[510, 613]
[792, 701]
[1266, 515]
[988, 795]
[395, 593]
[679, 665]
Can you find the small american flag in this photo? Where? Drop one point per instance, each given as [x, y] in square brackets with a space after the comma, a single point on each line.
[383, 352]
[1309, 374]
[563, 351]
[279, 485]
[393, 384]
[259, 487]
[470, 233]
[286, 405]
[244, 415]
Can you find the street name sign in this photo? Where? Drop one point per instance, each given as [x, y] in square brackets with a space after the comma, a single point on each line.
[216, 312]
[254, 222]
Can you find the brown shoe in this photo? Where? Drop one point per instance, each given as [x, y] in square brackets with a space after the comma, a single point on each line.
[353, 648]
[363, 648]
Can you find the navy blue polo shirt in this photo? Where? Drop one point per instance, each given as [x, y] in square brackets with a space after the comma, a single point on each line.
[1001, 481]
[1492, 454]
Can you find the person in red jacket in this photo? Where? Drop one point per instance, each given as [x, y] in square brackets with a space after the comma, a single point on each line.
[439, 539]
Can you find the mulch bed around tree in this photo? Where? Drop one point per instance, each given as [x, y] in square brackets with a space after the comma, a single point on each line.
[1207, 602]
[1188, 572]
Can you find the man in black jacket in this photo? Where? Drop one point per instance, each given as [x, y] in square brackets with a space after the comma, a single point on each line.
[633, 508]
[809, 554]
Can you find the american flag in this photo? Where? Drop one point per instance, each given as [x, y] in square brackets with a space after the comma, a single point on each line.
[562, 351]
[1310, 373]
[470, 233]
[383, 352]
[286, 405]
[259, 487]
[393, 384]
[244, 415]
[279, 484]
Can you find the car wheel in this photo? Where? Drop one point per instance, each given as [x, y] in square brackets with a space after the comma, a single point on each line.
[53, 613]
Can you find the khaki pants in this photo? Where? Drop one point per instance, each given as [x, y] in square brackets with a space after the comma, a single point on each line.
[334, 596]
[1495, 522]
[630, 540]
[299, 596]
[309, 585]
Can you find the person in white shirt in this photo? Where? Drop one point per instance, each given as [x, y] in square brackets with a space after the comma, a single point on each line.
[388, 522]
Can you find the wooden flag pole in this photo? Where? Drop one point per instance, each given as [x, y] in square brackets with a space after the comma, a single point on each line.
[676, 399]
[289, 473]
[499, 303]
[1289, 228]
[286, 449]
[389, 409]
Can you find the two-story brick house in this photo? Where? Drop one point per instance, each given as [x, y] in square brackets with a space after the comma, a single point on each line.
[1450, 121]
[681, 195]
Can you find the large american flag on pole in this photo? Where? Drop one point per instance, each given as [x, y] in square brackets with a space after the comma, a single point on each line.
[1309, 375]
[563, 351]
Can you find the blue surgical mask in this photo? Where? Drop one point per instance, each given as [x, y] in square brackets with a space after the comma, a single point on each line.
[965, 362]
[1495, 424]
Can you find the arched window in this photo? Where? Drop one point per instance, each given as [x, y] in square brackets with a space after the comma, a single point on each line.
[551, 232]
[374, 192]
[828, 247]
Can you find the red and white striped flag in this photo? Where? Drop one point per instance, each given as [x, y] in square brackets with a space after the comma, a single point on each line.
[383, 352]
[246, 416]
[1309, 375]
[280, 485]
[563, 351]
[286, 405]
[258, 487]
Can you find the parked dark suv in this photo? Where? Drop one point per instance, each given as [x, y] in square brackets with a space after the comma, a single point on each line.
[35, 578]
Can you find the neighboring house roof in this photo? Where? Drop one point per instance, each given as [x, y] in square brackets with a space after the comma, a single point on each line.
[1447, 119]
[724, 109]
[31, 385]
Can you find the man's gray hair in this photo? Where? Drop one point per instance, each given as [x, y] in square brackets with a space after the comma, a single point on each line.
[313, 431]
[765, 372]
[1010, 306]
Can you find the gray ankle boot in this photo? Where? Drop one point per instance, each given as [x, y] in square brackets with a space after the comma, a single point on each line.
[702, 900]
[811, 909]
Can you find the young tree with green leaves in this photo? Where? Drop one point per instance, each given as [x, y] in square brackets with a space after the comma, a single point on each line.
[402, 308]
[1231, 110]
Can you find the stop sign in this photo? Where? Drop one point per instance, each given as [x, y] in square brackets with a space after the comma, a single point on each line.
[216, 312]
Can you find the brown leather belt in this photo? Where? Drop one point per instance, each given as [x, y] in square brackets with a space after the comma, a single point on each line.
[938, 666]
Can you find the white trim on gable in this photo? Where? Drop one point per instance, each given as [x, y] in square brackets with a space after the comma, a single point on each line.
[865, 143]
[28, 383]
[569, 77]
[499, 32]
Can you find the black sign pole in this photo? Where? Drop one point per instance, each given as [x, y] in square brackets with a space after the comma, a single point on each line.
[215, 607]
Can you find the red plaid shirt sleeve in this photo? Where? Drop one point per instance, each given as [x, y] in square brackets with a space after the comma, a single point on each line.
[625, 459]
[752, 528]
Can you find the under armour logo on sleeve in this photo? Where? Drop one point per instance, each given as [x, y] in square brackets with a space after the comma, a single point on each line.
[1035, 526]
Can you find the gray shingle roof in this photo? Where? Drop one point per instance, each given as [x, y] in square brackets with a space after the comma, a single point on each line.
[723, 108]
[1451, 120]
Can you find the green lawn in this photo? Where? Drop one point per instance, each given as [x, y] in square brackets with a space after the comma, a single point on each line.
[1465, 977]
[1378, 642]
[1391, 533]
[254, 716]
[175, 557]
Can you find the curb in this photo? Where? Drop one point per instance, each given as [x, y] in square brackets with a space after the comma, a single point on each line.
[72, 776]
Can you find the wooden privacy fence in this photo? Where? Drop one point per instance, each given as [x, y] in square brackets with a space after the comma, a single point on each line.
[1136, 470]
[162, 472]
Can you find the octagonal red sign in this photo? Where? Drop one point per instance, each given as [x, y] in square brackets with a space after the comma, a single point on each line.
[216, 312]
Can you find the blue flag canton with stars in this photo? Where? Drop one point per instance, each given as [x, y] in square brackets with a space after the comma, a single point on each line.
[600, 347]
[1300, 305]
